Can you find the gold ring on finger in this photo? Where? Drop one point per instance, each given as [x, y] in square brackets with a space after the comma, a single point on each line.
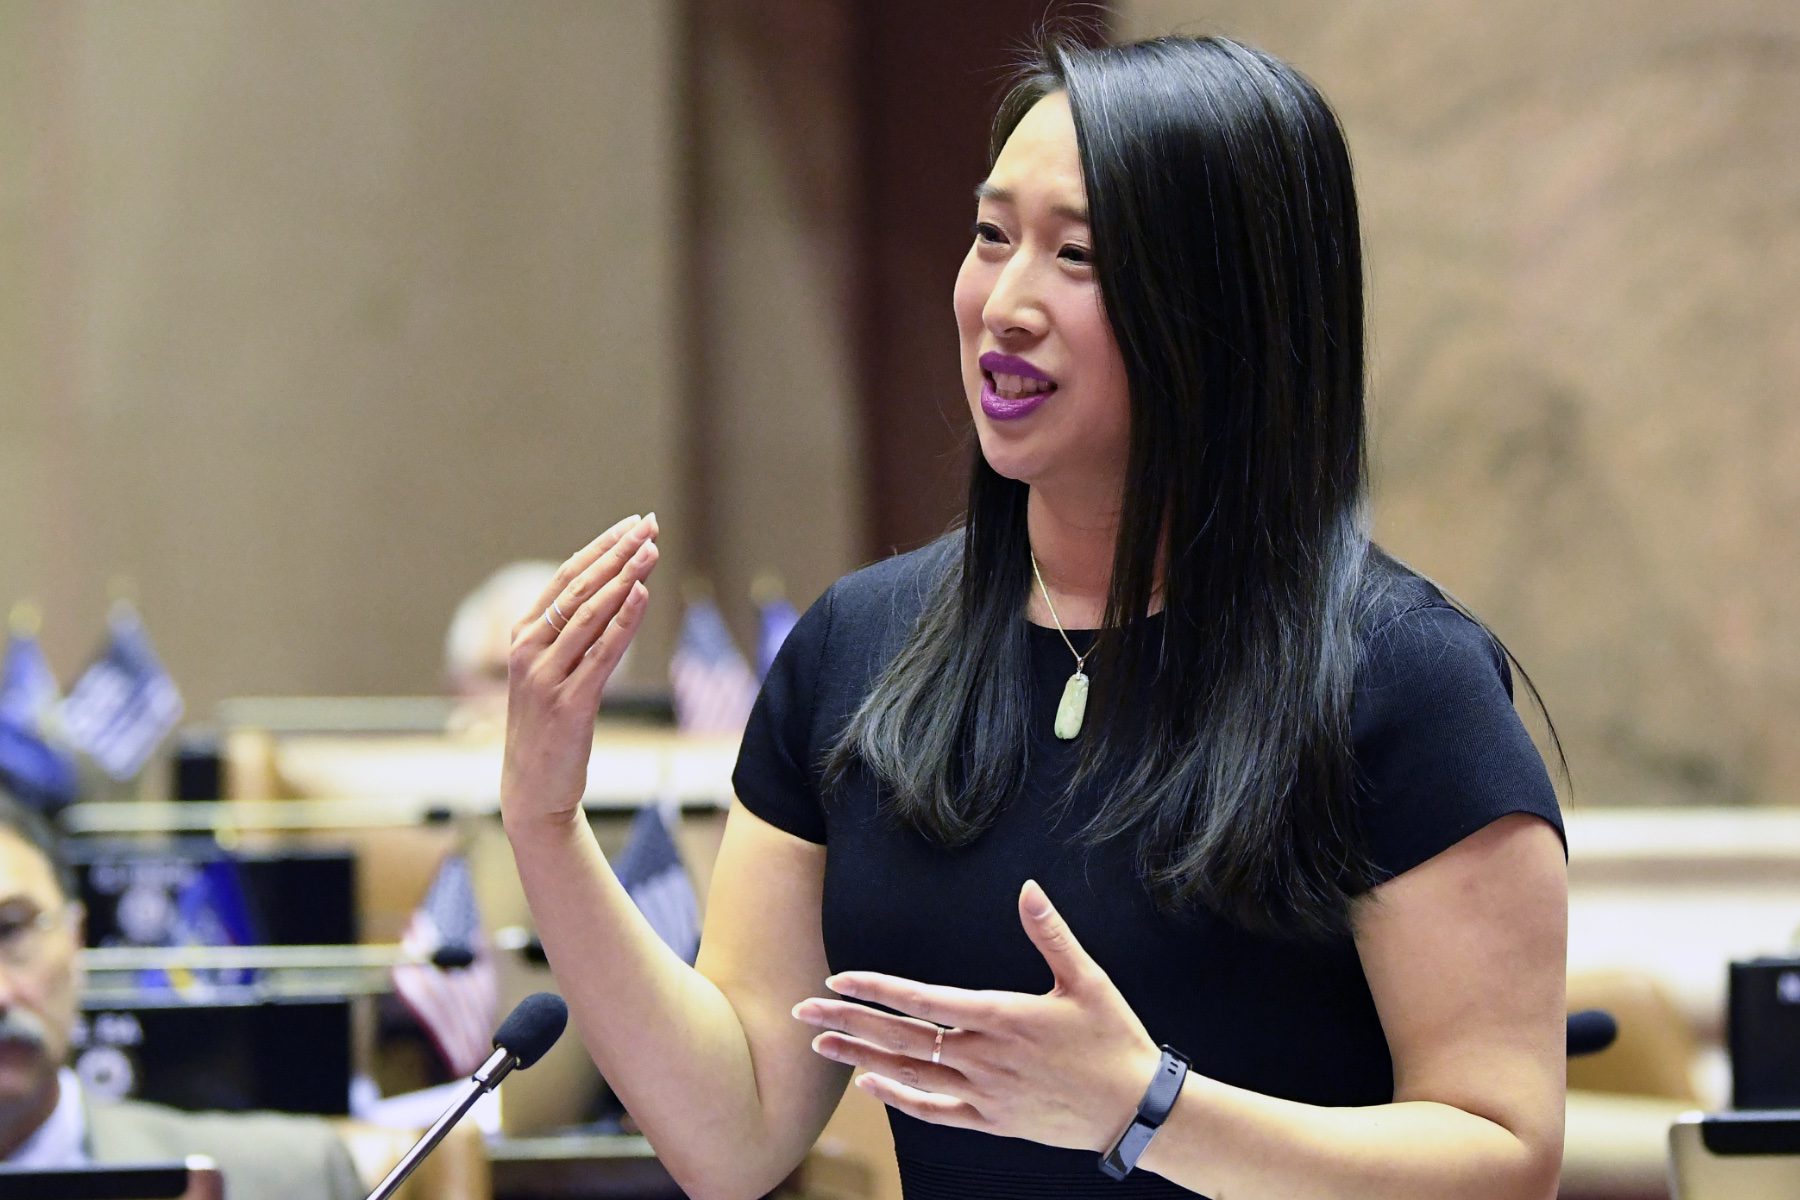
[937, 1047]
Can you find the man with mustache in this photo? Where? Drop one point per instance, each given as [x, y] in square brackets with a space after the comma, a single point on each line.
[46, 1120]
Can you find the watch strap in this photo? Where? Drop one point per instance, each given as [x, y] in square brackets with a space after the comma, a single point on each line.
[1159, 1099]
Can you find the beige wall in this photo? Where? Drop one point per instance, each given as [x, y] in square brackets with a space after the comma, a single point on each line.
[776, 447]
[323, 311]
[329, 310]
[1583, 229]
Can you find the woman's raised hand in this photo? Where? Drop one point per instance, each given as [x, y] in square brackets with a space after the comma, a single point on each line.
[563, 652]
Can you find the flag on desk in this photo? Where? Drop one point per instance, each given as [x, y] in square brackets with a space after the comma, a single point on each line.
[33, 765]
[650, 870]
[125, 703]
[457, 1002]
[778, 620]
[713, 686]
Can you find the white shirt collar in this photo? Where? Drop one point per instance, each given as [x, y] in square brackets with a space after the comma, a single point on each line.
[60, 1141]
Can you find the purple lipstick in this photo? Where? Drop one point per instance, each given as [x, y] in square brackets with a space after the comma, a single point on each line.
[1011, 387]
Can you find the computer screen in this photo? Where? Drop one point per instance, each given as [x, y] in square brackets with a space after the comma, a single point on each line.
[230, 1052]
[148, 1181]
[145, 893]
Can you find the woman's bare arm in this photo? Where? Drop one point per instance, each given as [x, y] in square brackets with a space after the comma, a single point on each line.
[715, 1070]
[1465, 959]
[708, 1059]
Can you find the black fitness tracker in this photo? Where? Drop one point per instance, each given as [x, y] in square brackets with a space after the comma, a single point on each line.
[1152, 1111]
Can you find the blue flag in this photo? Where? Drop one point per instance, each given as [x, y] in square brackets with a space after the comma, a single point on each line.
[651, 872]
[713, 686]
[125, 703]
[28, 688]
[35, 771]
[32, 765]
[778, 620]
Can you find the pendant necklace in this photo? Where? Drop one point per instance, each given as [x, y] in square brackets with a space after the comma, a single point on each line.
[1073, 708]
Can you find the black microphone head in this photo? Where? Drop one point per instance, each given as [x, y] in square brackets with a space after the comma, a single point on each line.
[452, 957]
[1590, 1031]
[532, 1027]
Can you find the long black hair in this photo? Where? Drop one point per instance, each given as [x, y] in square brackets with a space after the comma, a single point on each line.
[1228, 256]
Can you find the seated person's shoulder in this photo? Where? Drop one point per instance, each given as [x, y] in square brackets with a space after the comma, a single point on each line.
[259, 1153]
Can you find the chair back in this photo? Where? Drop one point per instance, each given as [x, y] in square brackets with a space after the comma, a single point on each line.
[457, 1169]
[1655, 1050]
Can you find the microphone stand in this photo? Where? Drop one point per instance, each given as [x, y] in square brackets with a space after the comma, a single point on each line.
[487, 1076]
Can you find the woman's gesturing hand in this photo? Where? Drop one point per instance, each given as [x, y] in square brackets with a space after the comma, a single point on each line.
[563, 652]
[1066, 1068]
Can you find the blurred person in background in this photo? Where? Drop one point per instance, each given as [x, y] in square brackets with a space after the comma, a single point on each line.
[48, 1120]
[479, 639]
[1282, 912]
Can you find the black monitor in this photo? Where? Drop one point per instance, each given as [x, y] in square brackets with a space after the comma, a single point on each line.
[195, 1179]
[231, 1053]
[293, 895]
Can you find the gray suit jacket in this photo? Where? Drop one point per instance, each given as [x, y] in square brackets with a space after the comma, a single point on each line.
[262, 1156]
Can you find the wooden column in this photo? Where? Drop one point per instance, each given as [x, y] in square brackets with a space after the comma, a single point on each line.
[927, 79]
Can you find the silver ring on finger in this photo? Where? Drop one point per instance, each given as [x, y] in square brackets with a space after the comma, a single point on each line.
[552, 624]
[560, 614]
[937, 1047]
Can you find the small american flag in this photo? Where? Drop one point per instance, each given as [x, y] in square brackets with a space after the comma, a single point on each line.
[457, 1005]
[650, 870]
[713, 686]
[125, 703]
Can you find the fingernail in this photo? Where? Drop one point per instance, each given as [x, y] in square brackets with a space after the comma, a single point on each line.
[1037, 905]
[650, 517]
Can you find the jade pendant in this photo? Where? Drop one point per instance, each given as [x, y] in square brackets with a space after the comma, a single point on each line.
[1073, 707]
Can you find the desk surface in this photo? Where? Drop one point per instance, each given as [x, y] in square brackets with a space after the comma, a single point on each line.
[615, 1167]
[628, 766]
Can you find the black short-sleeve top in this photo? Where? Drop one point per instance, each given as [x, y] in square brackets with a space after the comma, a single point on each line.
[1439, 752]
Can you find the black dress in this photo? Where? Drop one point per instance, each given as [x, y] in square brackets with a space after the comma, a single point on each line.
[1439, 751]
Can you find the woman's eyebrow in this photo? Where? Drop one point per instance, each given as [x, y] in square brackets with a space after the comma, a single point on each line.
[1069, 212]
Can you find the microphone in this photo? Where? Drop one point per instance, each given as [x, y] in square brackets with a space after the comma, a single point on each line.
[528, 1031]
[1590, 1031]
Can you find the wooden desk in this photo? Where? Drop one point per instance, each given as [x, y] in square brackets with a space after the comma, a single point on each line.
[585, 1167]
[567, 1167]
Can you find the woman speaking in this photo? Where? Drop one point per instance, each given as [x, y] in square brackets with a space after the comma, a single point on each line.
[1152, 833]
